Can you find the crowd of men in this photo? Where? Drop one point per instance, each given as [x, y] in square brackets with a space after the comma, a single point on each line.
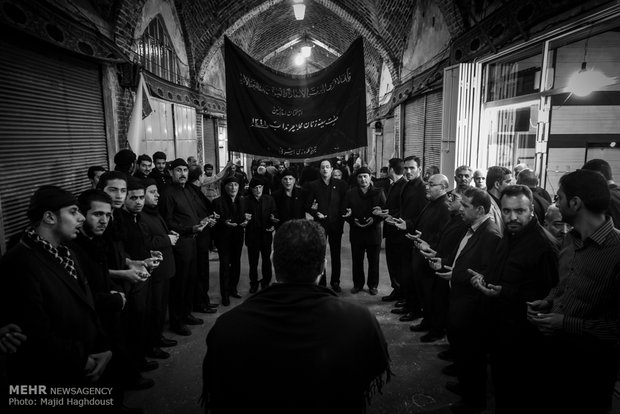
[510, 276]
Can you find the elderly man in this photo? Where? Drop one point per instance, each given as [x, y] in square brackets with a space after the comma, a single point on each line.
[290, 199]
[555, 224]
[580, 316]
[524, 267]
[498, 178]
[260, 358]
[480, 179]
[462, 179]
[365, 230]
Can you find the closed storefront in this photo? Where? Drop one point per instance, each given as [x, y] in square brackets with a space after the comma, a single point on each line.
[422, 128]
[53, 129]
[210, 142]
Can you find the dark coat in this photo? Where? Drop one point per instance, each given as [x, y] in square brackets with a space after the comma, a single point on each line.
[155, 233]
[293, 207]
[56, 313]
[228, 210]
[412, 202]
[177, 206]
[451, 235]
[432, 220]
[330, 199]
[261, 211]
[361, 206]
[392, 204]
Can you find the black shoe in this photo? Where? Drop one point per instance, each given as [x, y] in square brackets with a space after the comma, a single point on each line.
[213, 305]
[355, 290]
[454, 387]
[165, 342]
[400, 303]
[336, 288]
[235, 295]
[204, 309]
[182, 330]
[157, 353]
[149, 366]
[391, 297]
[408, 317]
[141, 383]
[449, 370]
[421, 327]
[253, 289]
[464, 408]
[373, 291]
[225, 301]
[432, 337]
[192, 320]
[400, 311]
[446, 355]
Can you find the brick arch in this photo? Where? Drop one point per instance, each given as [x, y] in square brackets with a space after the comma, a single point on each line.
[453, 16]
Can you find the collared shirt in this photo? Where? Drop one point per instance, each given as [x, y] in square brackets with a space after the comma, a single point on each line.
[470, 232]
[589, 295]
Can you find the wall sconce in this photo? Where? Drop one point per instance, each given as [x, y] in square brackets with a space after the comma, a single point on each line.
[378, 128]
[299, 8]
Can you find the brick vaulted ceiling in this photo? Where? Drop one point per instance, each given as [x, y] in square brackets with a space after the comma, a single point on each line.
[263, 27]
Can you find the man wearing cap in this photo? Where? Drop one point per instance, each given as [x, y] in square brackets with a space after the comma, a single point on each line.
[290, 199]
[229, 237]
[259, 232]
[177, 207]
[125, 161]
[45, 293]
[326, 198]
[365, 230]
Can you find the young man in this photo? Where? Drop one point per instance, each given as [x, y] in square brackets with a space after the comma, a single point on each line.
[94, 173]
[46, 294]
[125, 161]
[259, 232]
[365, 230]
[260, 358]
[498, 178]
[160, 174]
[144, 165]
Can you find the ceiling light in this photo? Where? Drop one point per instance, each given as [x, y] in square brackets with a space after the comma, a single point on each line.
[306, 51]
[299, 8]
[586, 81]
[299, 59]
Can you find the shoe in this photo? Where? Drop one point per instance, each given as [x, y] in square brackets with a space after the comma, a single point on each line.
[141, 383]
[432, 337]
[235, 295]
[446, 355]
[182, 330]
[408, 317]
[157, 353]
[149, 366]
[213, 305]
[449, 370]
[421, 327]
[204, 309]
[464, 408]
[373, 291]
[165, 342]
[192, 320]
[391, 297]
[225, 301]
[336, 288]
[454, 387]
[400, 311]
[400, 303]
[253, 289]
[355, 290]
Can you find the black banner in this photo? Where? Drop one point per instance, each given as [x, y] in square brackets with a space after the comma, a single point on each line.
[275, 114]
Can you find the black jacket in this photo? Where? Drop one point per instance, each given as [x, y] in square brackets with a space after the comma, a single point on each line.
[261, 211]
[155, 232]
[361, 206]
[330, 199]
[293, 207]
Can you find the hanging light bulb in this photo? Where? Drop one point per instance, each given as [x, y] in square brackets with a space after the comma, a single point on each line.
[299, 8]
[306, 51]
[299, 59]
[586, 81]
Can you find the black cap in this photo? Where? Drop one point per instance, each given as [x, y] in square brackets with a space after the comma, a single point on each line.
[49, 198]
[363, 170]
[179, 162]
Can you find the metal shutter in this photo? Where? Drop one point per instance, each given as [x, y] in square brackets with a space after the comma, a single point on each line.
[210, 144]
[414, 128]
[432, 130]
[387, 143]
[52, 126]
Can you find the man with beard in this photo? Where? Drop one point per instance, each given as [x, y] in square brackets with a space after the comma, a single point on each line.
[125, 161]
[523, 268]
[580, 317]
[556, 225]
[46, 294]
[462, 179]
[229, 238]
[498, 178]
[362, 205]
[290, 199]
[160, 174]
[210, 184]
[412, 202]
[144, 165]
[177, 207]
[259, 232]
[327, 196]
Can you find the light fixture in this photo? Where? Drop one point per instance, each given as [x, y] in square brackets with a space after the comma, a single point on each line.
[299, 59]
[585, 81]
[299, 8]
[306, 51]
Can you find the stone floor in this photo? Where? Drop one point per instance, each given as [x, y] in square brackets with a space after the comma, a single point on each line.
[416, 387]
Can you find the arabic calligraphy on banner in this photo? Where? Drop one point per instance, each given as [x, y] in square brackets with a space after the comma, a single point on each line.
[275, 114]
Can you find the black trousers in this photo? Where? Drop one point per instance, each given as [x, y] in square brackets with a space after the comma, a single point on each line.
[334, 238]
[134, 319]
[470, 359]
[260, 248]
[357, 256]
[229, 248]
[158, 305]
[203, 243]
[183, 284]
[433, 292]
[393, 260]
[408, 287]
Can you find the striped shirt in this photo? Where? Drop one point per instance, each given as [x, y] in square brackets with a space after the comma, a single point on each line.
[589, 294]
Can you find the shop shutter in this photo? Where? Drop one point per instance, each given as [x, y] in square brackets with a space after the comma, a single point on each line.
[52, 125]
[413, 133]
[387, 143]
[432, 130]
[210, 144]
